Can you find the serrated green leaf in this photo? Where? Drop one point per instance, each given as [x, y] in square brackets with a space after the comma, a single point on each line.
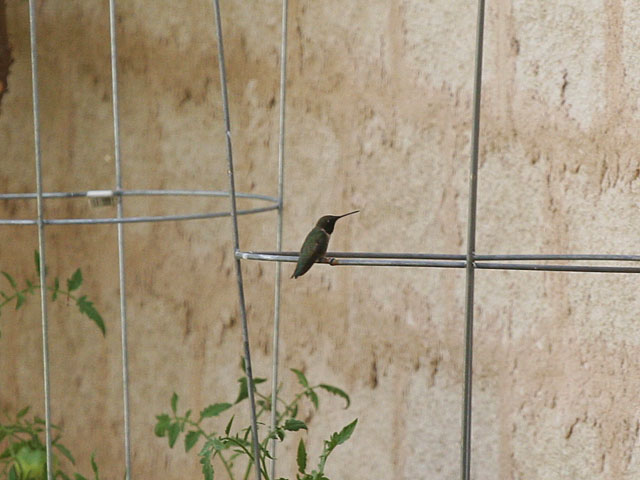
[12, 474]
[86, 307]
[174, 431]
[191, 439]
[174, 402]
[56, 288]
[4, 295]
[23, 412]
[243, 392]
[65, 451]
[344, 434]
[162, 425]
[206, 448]
[218, 444]
[336, 391]
[228, 427]
[19, 300]
[293, 425]
[74, 282]
[77, 476]
[313, 396]
[301, 378]
[187, 414]
[10, 279]
[36, 258]
[214, 410]
[207, 468]
[302, 457]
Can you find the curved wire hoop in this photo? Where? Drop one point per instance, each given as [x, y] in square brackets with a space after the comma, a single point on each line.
[273, 204]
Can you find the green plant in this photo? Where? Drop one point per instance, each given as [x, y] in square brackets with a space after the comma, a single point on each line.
[229, 447]
[74, 282]
[22, 448]
[25, 457]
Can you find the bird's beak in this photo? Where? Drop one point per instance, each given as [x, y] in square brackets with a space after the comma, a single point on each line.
[350, 213]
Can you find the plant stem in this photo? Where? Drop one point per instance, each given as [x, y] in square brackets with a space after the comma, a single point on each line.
[31, 290]
[226, 466]
[208, 437]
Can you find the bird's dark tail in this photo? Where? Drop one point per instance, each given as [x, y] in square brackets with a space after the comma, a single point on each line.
[301, 269]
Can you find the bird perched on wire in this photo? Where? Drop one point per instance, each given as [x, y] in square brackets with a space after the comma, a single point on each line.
[316, 243]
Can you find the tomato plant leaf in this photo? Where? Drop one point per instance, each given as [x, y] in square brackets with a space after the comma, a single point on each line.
[336, 391]
[174, 402]
[191, 439]
[74, 282]
[86, 307]
[214, 410]
[301, 378]
[293, 424]
[302, 457]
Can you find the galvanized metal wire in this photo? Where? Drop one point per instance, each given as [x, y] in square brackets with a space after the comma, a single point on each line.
[118, 193]
[471, 251]
[41, 235]
[234, 224]
[436, 260]
[121, 251]
[278, 279]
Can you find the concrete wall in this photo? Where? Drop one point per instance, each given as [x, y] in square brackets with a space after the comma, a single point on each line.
[379, 112]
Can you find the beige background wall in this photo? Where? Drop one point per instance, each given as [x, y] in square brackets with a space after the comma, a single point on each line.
[378, 119]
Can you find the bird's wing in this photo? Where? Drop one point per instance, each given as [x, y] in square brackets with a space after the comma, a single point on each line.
[314, 248]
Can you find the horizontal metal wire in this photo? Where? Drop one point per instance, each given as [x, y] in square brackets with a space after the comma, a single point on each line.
[588, 257]
[341, 259]
[453, 261]
[453, 256]
[556, 268]
[413, 256]
[140, 219]
[140, 193]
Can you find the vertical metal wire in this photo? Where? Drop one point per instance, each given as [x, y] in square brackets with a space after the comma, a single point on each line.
[471, 246]
[121, 251]
[41, 235]
[278, 281]
[236, 243]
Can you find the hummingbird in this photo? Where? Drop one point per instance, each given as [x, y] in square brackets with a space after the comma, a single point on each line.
[316, 243]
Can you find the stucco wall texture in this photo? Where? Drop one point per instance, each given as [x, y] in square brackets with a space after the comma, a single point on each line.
[378, 119]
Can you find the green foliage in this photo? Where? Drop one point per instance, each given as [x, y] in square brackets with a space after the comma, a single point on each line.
[302, 457]
[231, 448]
[23, 453]
[22, 441]
[214, 410]
[74, 282]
